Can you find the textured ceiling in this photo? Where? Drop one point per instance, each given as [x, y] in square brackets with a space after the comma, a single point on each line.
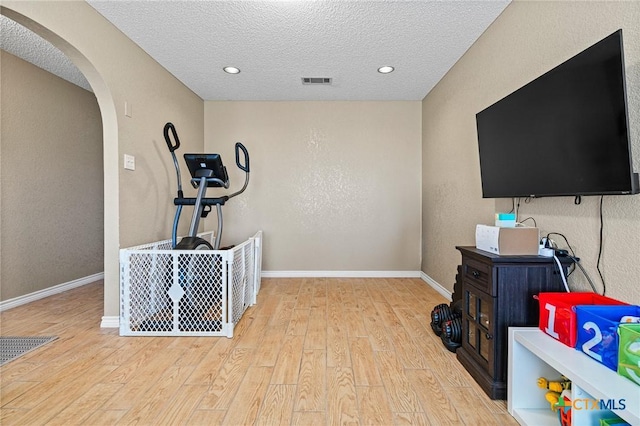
[23, 43]
[276, 43]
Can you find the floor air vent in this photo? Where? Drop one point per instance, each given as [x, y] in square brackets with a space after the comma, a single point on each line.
[316, 80]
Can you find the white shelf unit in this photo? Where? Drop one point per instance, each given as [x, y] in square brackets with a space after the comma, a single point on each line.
[533, 354]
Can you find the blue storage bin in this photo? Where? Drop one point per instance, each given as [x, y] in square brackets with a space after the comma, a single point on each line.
[597, 331]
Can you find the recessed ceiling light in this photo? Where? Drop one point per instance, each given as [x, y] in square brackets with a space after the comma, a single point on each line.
[231, 70]
[385, 70]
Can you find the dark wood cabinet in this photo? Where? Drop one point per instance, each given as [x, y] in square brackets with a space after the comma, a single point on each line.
[497, 293]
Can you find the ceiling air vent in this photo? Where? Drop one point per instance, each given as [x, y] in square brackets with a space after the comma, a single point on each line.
[316, 80]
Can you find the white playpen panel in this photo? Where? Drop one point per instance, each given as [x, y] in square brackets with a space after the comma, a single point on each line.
[166, 292]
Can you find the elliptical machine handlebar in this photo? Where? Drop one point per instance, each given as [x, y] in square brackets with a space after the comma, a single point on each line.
[244, 167]
[240, 147]
[172, 146]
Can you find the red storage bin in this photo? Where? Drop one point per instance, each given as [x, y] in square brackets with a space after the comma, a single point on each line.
[557, 317]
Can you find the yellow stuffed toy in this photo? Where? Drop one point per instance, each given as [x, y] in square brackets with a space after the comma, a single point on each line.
[555, 387]
[553, 398]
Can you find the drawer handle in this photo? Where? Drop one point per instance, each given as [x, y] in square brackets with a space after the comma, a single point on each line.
[475, 274]
[489, 336]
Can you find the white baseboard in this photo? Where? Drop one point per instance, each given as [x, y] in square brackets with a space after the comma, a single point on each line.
[110, 322]
[340, 274]
[436, 286]
[41, 294]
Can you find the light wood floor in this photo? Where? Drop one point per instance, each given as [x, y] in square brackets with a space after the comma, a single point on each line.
[310, 352]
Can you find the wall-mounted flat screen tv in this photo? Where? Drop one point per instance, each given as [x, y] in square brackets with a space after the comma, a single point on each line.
[566, 133]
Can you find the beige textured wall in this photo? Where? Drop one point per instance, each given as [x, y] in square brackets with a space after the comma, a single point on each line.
[528, 39]
[51, 192]
[137, 205]
[335, 186]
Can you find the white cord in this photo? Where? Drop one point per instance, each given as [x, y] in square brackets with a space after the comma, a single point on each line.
[564, 280]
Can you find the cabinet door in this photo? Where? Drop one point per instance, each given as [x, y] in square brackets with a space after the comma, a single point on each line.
[478, 327]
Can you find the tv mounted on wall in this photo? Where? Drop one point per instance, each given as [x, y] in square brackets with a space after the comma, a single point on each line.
[566, 133]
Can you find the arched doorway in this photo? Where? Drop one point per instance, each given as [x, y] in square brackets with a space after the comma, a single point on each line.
[110, 154]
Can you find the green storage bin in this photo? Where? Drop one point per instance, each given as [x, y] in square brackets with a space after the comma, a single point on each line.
[629, 352]
[613, 421]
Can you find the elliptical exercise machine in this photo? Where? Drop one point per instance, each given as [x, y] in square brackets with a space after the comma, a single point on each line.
[207, 171]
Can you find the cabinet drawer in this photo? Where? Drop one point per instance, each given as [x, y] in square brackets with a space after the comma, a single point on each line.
[478, 274]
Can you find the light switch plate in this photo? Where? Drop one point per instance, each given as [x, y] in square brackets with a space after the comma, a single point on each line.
[129, 162]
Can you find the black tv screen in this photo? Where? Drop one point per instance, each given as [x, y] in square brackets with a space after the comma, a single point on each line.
[563, 134]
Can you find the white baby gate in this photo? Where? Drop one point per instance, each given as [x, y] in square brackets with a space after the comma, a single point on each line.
[165, 292]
